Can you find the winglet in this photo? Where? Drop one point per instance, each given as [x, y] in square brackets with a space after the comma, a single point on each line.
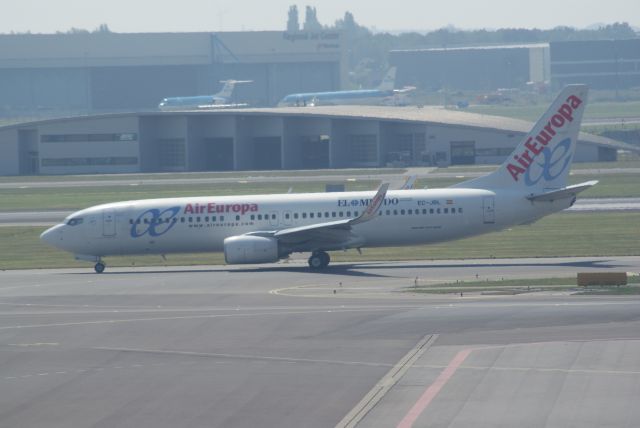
[374, 206]
[409, 182]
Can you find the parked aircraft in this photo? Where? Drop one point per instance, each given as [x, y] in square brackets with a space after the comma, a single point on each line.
[385, 94]
[220, 100]
[530, 184]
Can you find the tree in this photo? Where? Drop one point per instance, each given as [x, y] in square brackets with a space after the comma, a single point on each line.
[293, 24]
[102, 28]
[311, 22]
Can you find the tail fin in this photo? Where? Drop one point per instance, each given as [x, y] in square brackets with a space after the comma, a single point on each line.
[542, 160]
[227, 89]
[389, 81]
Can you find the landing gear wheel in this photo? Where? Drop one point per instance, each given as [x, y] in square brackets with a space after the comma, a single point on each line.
[325, 259]
[319, 260]
[99, 267]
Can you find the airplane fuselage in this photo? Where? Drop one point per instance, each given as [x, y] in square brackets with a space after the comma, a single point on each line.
[200, 224]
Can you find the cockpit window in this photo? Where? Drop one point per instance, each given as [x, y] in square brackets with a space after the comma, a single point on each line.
[74, 221]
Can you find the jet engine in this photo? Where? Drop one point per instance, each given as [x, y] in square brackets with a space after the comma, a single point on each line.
[250, 249]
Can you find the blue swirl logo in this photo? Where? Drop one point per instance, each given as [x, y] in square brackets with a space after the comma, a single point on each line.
[154, 222]
[554, 162]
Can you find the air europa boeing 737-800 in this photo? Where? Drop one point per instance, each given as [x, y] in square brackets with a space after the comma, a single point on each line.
[530, 184]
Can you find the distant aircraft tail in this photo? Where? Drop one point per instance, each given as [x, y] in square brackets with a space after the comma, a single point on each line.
[227, 89]
[389, 81]
[542, 160]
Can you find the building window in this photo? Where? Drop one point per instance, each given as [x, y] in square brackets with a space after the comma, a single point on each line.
[84, 138]
[105, 161]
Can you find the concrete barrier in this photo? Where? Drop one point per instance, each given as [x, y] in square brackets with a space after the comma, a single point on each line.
[602, 278]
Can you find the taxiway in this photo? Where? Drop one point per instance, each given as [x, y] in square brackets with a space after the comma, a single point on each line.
[280, 346]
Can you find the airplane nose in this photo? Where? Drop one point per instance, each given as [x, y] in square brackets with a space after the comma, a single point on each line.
[52, 236]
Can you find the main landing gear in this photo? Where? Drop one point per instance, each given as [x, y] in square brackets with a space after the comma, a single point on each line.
[99, 267]
[319, 260]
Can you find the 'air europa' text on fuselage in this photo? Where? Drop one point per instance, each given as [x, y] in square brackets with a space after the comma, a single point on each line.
[212, 208]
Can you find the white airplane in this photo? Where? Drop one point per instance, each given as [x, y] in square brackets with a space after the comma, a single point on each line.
[220, 100]
[530, 184]
[385, 94]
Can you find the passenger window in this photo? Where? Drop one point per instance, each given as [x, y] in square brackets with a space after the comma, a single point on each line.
[431, 211]
[181, 219]
[273, 217]
[310, 215]
[259, 216]
[304, 215]
[438, 210]
[174, 220]
[340, 214]
[198, 219]
[213, 218]
[130, 221]
[388, 212]
[221, 218]
[424, 211]
[326, 214]
[460, 210]
[348, 213]
[190, 219]
[286, 215]
[295, 215]
[395, 212]
[446, 210]
[237, 217]
[253, 217]
[402, 212]
[333, 214]
[206, 219]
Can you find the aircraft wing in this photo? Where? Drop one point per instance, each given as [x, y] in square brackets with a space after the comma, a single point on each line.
[409, 183]
[329, 235]
[565, 192]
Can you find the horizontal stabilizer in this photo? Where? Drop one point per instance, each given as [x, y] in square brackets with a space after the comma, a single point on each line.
[563, 193]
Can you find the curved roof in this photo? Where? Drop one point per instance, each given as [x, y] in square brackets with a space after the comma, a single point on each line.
[428, 115]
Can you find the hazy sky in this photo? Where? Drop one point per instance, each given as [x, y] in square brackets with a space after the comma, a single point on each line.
[46, 16]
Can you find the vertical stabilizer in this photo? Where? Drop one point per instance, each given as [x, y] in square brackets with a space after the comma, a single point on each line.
[543, 158]
[227, 89]
[389, 81]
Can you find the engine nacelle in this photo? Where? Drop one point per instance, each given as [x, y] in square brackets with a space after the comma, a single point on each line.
[250, 249]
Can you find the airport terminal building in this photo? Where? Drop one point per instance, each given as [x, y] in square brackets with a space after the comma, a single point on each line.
[268, 139]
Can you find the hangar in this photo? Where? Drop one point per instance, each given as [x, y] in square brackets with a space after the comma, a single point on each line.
[46, 74]
[472, 68]
[268, 138]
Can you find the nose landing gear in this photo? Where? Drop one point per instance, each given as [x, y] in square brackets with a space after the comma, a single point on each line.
[319, 260]
[99, 267]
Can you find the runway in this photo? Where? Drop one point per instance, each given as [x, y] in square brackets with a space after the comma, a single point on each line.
[396, 178]
[280, 346]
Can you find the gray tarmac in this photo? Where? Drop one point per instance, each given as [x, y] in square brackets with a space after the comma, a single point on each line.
[280, 346]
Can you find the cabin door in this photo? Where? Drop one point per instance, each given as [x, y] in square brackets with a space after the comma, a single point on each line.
[108, 223]
[488, 208]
